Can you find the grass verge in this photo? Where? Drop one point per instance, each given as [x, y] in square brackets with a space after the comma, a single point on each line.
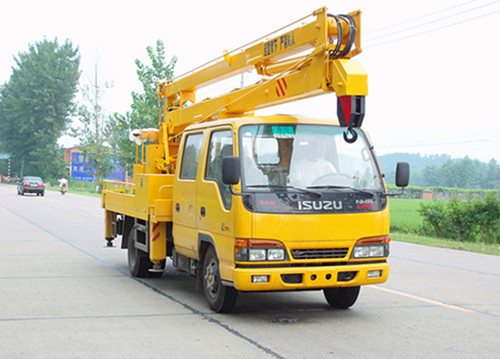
[446, 243]
[406, 222]
[75, 190]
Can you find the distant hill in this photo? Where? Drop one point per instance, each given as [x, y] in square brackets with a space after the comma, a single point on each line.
[417, 164]
[442, 170]
[416, 161]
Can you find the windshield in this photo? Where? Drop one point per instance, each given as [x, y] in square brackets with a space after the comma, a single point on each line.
[314, 157]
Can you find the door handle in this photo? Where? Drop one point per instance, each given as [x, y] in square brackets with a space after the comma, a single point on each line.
[177, 207]
[203, 211]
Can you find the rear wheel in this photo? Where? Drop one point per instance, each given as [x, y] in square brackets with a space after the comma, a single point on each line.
[342, 297]
[220, 298]
[138, 261]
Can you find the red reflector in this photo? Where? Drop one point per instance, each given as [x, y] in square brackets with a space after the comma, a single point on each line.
[344, 113]
[351, 110]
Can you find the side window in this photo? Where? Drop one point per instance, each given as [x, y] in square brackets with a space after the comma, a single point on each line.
[221, 145]
[191, 156]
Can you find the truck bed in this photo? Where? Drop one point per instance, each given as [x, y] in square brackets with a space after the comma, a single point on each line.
[148, 198]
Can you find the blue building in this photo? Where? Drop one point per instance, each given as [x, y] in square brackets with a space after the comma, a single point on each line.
[81, 170]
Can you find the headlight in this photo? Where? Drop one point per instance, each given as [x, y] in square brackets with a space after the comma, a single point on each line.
[270, 254]
[259, 250]
[375, 247]
[276, 254]
[368, 251]
[257, 254]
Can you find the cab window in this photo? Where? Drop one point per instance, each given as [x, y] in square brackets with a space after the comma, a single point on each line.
[191, 156]
[221, 145]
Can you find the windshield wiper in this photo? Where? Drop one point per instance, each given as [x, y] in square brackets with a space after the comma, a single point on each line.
[274, 186]
[343, 187]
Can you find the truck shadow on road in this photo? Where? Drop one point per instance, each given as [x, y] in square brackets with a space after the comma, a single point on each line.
[276, 307]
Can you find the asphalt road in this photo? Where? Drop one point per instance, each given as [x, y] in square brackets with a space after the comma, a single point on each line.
[63, 294]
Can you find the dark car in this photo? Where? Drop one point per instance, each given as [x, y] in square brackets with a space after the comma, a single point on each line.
[31, 184]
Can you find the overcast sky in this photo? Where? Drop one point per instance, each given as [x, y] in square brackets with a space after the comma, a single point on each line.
[433, 66]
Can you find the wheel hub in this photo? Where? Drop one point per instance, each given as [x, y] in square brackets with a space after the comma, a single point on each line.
[211, 278]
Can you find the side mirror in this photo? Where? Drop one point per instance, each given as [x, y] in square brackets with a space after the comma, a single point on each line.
[402, 174]
[231, 170]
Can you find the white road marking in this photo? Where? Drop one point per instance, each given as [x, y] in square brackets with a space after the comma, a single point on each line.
[425, 300]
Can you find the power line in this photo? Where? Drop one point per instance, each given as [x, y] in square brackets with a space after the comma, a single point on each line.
[430, 23]
[433, 29]
[418, 18]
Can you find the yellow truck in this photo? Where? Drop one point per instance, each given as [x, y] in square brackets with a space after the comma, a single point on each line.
[261, 203]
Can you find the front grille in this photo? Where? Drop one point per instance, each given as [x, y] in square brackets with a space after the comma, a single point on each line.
[323, 253]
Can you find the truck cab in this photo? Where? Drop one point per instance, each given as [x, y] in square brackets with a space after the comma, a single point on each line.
[285, 203]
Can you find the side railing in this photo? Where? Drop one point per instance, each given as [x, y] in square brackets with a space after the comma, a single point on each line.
[119, 187]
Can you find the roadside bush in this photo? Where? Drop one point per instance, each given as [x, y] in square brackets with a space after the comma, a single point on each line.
[488, 219]
[474, 220]
[435, 220]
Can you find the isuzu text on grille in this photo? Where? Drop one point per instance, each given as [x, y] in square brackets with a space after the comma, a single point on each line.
[320, 205]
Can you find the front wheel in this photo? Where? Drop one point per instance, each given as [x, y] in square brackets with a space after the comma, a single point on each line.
[341, 297]
[220, 298]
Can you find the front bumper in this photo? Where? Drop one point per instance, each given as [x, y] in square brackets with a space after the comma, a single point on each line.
[304, 278]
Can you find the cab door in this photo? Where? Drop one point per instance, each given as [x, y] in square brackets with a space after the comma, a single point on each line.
[185, 196]
[215, 217]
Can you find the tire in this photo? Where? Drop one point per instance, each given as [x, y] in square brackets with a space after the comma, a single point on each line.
[220, 298]
[341, 297]
[138, 261]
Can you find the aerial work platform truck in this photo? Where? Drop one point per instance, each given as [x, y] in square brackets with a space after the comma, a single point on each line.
[250, 203]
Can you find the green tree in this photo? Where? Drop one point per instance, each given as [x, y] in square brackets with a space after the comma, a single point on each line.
[459, 173]
[492, 175]
[431, 176]
[95, 128]
[145, 106]
[35, 107]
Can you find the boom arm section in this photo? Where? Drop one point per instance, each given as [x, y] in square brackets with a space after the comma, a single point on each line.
[294, 63]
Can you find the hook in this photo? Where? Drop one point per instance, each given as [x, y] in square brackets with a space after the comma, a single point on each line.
[353, 134]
